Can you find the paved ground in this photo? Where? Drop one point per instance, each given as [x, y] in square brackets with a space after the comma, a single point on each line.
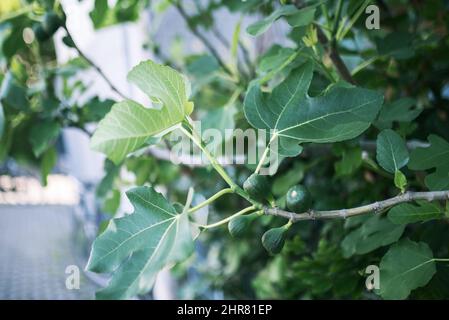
[37, 243]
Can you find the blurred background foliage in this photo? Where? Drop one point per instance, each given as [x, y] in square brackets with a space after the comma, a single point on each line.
[407, 59]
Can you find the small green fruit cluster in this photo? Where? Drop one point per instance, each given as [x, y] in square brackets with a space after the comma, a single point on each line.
[47, 28]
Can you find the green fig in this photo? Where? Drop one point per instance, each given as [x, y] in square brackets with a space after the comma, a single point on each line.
[257, 187]
[298, 199]
[239, 225]
[273, 240]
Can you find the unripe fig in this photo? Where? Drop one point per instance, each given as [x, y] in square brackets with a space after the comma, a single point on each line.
[298, 199]
[273, 240]
[257, 187]
[239, 225]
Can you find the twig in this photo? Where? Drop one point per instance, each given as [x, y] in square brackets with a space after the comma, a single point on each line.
[225, 42]
[335, 57]
[200, 36]
[369, 208]
[333, 48]
[211, 199]
[95, 66]
[226, 220]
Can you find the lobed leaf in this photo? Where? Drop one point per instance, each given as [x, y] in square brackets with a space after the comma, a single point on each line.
[129, 124]
[406, 266]
[436, 156]
[409, 213]
[372, 234]
[295, 17]
[137, 246]
[340, 114]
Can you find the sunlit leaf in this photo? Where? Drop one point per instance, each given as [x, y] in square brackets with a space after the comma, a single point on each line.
[129, 124]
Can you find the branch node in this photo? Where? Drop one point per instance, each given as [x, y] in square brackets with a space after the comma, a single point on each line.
[292, 217]
[344, 213]
[311, 214]
[377, 208]
[408, 196]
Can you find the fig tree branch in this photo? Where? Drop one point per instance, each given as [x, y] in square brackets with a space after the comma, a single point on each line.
[375, 207]
[225, 42]
[200, 36]
[94, 65]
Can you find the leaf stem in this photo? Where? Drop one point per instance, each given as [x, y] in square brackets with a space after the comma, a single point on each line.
[226, 220]
[326, 14]
[265, 153]
[211, 199]
[197, 140]
[188, 201]
[337, 18]
[215, 164]
[178, 6]
[272, 73]
[344, 29]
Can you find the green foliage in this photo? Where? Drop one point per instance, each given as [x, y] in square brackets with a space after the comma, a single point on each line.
[48, 162]
[335, 92]
[2, 120]
[400, 180]
[392, 153]
[42, 135]
[13, 94]
[294, 17]
[374, 233]
[129, 124]
[137, 246]
[409, 213]
[436, 156]
[104, 15]
[399, 111]
[342, 113]
[405, 267]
